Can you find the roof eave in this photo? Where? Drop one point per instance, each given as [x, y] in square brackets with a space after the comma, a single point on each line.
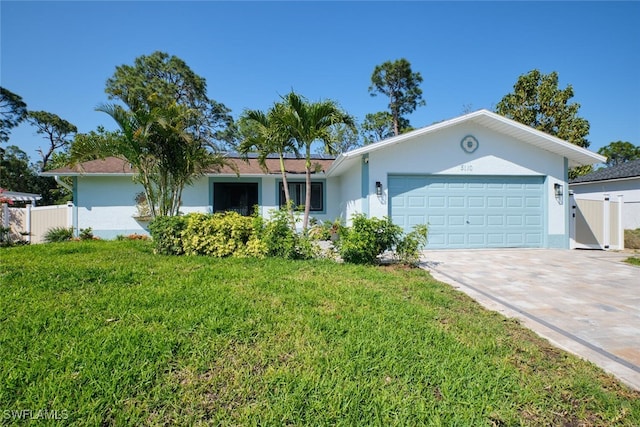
[595, 181]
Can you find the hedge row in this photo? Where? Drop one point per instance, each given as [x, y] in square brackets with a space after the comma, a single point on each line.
[231, 234]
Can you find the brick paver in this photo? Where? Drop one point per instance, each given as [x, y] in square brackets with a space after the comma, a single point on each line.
[586, 302]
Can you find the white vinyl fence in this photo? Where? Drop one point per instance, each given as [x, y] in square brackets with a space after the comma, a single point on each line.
[31, 223]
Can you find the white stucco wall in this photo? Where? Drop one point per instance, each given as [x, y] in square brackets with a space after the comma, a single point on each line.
[350, 191]
[107, 204]
[497, 154]
[628, 188]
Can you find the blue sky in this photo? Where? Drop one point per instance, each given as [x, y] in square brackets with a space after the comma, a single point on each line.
[58, 55]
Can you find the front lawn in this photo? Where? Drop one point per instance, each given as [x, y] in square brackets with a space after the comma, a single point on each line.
[107, 333]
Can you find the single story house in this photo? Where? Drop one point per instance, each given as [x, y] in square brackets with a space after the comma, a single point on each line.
[620, 180]
[479, 181]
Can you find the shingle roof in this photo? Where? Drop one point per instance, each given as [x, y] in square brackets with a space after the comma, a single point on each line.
[625, 170]
[117, 166]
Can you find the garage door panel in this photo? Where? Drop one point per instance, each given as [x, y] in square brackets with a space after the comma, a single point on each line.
[456, 239]
[533, 239]
[495, 239]
[455, 220]
[533, 202]
[533, 220]
[416, 220]
[476, 202]
[437, 202]
[456, 202]
[514, 202]
[437, 239]
[495, 202]
[514, 220]
[471, 211]
[417, 202]
[476, 220]
[477, 239]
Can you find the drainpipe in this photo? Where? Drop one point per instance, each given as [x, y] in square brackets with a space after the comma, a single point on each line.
[62, 183]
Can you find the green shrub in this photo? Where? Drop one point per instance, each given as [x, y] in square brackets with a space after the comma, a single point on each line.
[367, 238]
[222, 235]
[58, 234]
[408, 248]
[166, 232]
[325, 231]
[281, 240]
[86, 233]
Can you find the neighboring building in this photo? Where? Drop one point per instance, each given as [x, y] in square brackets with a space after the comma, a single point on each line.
[478, 181]
[16, 196]
[620, 180]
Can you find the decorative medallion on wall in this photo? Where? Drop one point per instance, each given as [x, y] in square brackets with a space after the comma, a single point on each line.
[469, 144]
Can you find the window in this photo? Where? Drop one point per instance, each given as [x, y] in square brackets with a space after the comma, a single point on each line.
[297, 193]
[234, 196]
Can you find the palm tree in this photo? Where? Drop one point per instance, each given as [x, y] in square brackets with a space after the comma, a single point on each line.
[161, 146]
[307, 123]
[265, 134]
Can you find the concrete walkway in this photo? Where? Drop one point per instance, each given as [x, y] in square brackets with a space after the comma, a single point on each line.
[585, 302]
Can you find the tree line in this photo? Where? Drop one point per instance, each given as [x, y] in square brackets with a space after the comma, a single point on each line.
[172, 132]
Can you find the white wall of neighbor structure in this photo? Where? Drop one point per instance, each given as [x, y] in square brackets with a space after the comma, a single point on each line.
[497, 154]
[629, 189]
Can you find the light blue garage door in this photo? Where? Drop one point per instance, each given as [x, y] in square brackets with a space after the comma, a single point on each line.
[470, 211]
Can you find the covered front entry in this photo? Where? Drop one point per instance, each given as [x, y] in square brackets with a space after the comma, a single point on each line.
[471, 211]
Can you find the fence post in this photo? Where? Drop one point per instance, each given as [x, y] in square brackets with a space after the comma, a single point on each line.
[28, 222]
[5, 215]
[70, 217]
[606, 222]
[620, 224]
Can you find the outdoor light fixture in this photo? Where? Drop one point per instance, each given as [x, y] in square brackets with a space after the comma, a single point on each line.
[558, 189]
[378, 188]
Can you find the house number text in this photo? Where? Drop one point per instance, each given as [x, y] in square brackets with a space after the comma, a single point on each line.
[466, 168]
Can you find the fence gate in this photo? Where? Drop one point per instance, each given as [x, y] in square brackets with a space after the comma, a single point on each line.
[596, 223]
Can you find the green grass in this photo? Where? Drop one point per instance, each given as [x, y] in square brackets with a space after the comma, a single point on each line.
[113, 335]
[633, 260]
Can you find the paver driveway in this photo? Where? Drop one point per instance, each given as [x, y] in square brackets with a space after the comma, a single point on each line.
[586, 302]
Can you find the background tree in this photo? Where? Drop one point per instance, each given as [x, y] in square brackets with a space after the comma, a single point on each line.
[57, 131]
[402, 87]
[537, 101]
[619, 152]
[344, 138]
[168, 130]
[13, 110]
[159, 81]
[19, 174]
[379, 126]
[307, 123]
